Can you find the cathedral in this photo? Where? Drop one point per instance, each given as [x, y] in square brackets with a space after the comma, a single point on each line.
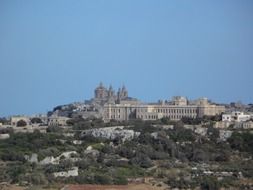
[103, 95]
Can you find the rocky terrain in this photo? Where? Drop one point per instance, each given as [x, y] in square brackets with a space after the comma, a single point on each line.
[155, 154]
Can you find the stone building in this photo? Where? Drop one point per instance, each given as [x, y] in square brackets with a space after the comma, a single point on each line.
[16, 119]
[236, 116]
[179, 101]
[57, 121]
[175, 110]
[247, 125]
[122, 93]
[109, 105]
[102, 95]
[120, 112]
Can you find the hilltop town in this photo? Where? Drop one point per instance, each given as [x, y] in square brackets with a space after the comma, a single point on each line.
[116, 139]
[108, 105]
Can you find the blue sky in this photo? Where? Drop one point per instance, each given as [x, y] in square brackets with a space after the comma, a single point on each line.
[55, 52]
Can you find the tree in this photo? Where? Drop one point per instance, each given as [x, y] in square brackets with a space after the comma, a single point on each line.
[199, 155]
[6, 130]
[141, 160]
[241, 141]
[102, 179]
[9, 155]
[54, 129]
[36, 120]
[165, 120]
[210, 183]
[15, 173]
[21, 123]
[4, 121]
[65, 164]
[191, 121]
[120, 180]
[213, 133]
[37, 178]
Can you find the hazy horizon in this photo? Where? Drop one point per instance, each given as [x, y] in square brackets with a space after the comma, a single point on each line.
[57, 52]
[146, 100]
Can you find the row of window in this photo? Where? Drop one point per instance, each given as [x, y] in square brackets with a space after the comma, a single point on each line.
[182, 111]
[156, 117]
[113, 116]
[169, 110]
[157, 110]
[147, 117]
[115, 110]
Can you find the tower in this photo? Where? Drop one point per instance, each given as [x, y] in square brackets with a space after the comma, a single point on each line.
[100, 92]
[124, 92]
[119, 94]
[110, 92]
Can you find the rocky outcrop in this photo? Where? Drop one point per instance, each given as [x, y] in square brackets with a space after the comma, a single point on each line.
[225, 134]
[4, 136]
[51, 159]
[33, 158]
[91, 152]
[70, 173]
[198, 129]
[112, 133]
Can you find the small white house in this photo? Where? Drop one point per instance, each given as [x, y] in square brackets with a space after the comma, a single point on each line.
[227, 117]
[247, 125]
[236, 116]
[240, 116]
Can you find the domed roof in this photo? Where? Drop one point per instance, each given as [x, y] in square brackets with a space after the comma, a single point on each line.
[101, 86]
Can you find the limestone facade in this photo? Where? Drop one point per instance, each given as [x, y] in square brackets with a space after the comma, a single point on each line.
[57, 121]
[123, 112]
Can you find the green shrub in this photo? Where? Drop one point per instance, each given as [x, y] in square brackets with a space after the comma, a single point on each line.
[120, 180]
[102, 179]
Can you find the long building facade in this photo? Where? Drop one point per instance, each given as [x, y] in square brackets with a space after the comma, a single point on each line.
[123, 112]
[126, 108]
